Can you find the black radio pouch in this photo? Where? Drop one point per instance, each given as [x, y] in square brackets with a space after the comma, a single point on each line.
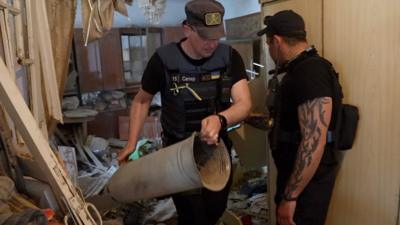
[347, 126]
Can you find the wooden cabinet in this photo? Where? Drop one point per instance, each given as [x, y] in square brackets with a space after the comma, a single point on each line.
[172, 34]
[106, 123]
[100, 67]
[111, 61]
[100, 62]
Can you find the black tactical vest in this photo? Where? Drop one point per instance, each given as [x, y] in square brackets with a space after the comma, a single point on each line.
[289, 138]
[193, 92]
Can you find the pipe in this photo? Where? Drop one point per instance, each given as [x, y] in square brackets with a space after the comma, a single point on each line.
[186, 165]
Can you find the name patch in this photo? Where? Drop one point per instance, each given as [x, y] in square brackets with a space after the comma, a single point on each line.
[189, 78]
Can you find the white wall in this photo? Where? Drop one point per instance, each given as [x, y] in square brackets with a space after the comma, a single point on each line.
[237, 8]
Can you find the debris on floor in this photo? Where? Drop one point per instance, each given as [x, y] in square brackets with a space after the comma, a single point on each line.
[248, 199]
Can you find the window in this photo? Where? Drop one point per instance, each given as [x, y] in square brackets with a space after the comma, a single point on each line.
[134, 57]
[138, 45]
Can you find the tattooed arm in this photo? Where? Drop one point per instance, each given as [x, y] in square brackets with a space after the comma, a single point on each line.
[314, 118]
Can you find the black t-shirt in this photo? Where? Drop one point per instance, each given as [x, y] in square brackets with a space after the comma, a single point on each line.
[154, 75]
[307, 78]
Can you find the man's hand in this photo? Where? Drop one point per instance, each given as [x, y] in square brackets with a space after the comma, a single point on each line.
[285, 212]
[123, 155]
[210, 127]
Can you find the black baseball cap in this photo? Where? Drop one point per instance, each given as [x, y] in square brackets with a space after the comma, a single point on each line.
[206, 17]
[284, 23]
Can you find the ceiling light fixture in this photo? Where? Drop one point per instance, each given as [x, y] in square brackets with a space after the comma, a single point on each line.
[152, 9]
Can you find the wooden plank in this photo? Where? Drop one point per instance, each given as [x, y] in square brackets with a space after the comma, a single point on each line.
[19, 33]
[19, 47]
[40, 148]
[13, 9]
[34, 70]
[12, 64]
[41, 24]
[9, 53]
[6, 37]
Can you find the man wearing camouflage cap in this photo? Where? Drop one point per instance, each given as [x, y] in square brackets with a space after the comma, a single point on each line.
[203, 86]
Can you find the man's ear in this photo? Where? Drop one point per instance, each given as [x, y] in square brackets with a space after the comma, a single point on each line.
[186, 30]
[277, 40]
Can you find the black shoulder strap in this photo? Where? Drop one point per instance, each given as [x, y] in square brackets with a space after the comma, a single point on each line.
[225, 84]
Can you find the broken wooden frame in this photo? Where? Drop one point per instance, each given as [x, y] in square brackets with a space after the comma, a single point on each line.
[6, 36]
[41, 24]
[14, 10]
[20, 50]
[16, 107]
[34, 70]
[36, 15]
[5, 11]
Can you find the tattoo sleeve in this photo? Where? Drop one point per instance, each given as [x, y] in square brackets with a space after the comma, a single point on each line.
[314, 117]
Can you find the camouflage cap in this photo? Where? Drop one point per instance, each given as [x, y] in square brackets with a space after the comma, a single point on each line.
[206, 17]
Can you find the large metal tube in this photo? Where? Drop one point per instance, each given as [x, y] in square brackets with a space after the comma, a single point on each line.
[184, 166]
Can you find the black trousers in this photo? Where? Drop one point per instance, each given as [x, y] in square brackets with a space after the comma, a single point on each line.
[312, 204]
[204, 207]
